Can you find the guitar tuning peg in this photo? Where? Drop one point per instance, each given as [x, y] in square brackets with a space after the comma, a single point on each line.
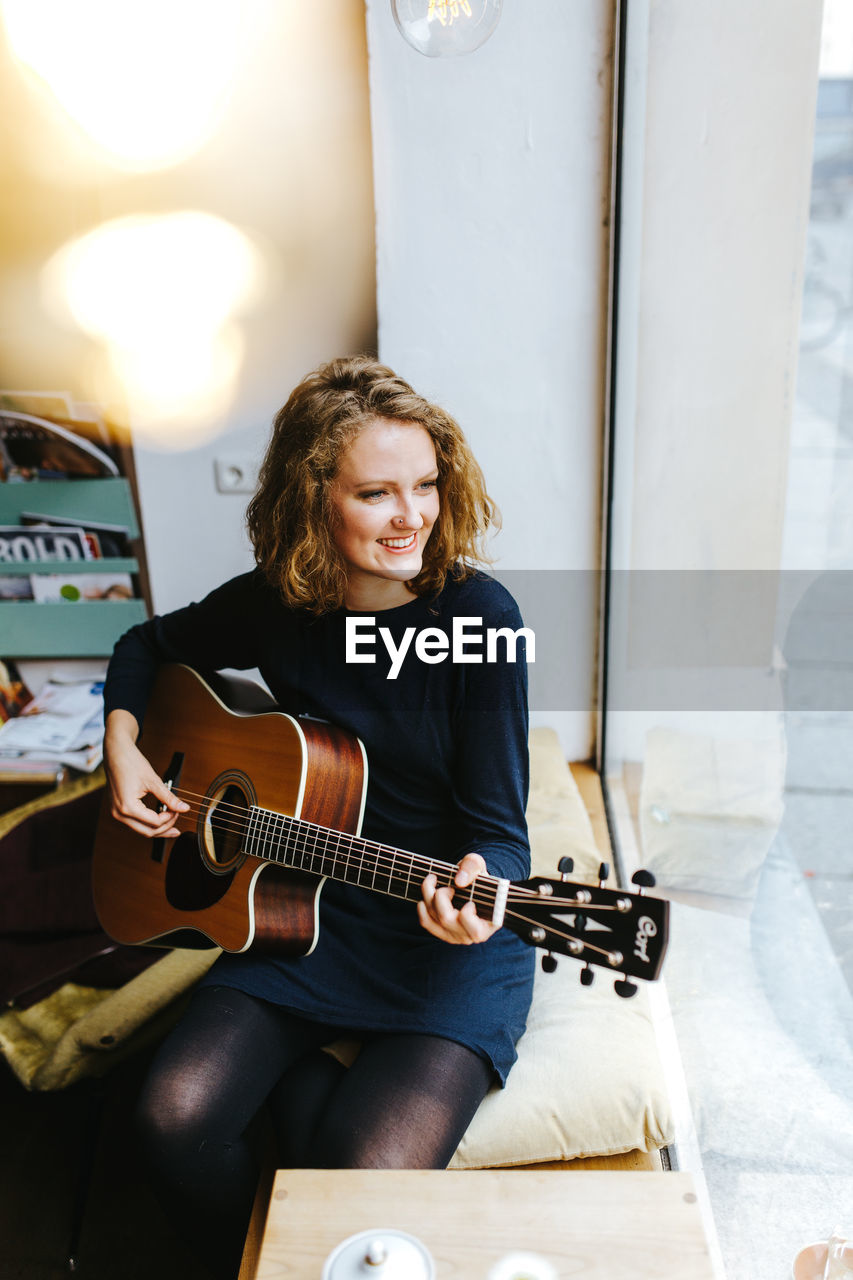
[566, 866]
[644, 879]
[603, 873]
[587, 976]
[624, 988]
[549, 963]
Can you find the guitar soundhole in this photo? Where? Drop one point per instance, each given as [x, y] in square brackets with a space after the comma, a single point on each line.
[224, 824]
[227, 823]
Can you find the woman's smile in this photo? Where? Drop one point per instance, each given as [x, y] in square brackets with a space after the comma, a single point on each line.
[399, 544]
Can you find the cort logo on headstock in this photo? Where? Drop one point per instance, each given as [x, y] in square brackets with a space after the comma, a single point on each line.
[646, 929]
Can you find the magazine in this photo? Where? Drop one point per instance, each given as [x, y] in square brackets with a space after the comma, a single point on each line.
[85, 753]
[41, 404]
[90, 415]
[34, 448]
[14, 694]
[51, 588]
[57, 719]
[21, 544]
[105, 540]
[84, 418]
[22, 768]
[15, 587]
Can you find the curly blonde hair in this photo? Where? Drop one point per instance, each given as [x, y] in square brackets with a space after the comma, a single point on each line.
[291, 518]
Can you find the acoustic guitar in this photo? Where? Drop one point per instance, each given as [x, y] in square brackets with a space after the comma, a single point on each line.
[276, 805]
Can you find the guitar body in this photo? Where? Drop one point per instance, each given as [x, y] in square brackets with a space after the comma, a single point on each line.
[275, 809]
[201, 888]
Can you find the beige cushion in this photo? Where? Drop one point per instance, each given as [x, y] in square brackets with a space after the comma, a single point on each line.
[588, 1080]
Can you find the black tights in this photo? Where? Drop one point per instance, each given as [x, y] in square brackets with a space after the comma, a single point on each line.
[404, 1104]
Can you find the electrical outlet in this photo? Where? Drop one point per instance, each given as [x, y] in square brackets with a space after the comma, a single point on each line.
[236, 472]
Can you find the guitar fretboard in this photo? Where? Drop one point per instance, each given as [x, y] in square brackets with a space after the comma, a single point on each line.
[304, 846]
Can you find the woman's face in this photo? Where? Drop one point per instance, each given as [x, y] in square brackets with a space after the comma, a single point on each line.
[387, 502]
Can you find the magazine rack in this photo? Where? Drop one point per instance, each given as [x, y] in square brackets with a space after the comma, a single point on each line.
[69, 629]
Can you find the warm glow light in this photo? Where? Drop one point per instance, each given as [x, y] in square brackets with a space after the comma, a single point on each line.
[160, 294]
[177, 396]
[446, 28]
[167, 273]
[146, 82]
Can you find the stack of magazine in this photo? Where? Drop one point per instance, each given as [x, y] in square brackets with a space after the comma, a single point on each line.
[47, 436]
[39, 538]
[62, 726]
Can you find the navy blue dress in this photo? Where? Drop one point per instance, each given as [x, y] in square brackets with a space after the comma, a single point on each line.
[447, 775]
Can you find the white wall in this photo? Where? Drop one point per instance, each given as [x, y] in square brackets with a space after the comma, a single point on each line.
[491, 189]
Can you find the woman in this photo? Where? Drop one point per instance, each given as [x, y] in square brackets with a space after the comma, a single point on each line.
[369, 506]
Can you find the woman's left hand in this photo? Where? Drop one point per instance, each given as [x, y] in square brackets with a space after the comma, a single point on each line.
[438, 915]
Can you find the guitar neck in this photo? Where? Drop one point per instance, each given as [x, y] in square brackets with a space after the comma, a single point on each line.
[304, 846]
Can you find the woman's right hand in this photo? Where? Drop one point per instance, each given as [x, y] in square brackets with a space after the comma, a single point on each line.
[131, 779]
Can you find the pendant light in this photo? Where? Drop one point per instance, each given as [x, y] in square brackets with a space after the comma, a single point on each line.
[446, 28]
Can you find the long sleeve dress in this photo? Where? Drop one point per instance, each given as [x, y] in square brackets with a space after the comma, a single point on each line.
[448, 773]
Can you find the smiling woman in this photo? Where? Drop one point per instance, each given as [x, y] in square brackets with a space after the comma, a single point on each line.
[359, 461]
[368, 499]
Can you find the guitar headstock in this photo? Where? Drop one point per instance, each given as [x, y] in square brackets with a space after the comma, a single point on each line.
[612, 929]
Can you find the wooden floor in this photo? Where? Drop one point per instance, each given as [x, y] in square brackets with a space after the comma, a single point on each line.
[589, 786]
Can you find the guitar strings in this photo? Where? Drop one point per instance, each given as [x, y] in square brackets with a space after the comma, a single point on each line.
[382, 863]
[337, 851]
[480, 899]
[383, 860]
[487, 901]
[239, 820]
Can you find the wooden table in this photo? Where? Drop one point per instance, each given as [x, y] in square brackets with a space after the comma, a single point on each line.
[599, 1226]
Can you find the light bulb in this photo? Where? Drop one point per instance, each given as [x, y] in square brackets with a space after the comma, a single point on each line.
[446, 28]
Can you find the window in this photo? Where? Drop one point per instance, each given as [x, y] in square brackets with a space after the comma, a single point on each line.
[729, 714]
